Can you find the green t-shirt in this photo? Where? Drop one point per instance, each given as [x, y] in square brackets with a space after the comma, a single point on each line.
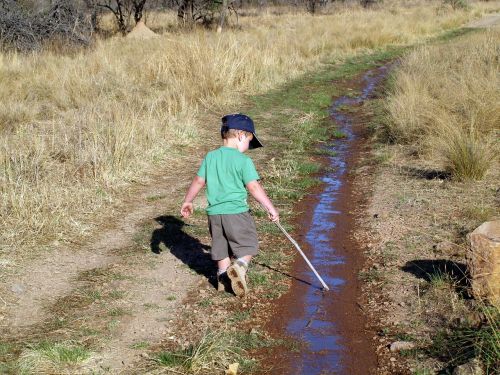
[226, 172]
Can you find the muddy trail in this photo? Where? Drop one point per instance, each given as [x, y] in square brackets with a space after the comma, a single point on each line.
[330, 324]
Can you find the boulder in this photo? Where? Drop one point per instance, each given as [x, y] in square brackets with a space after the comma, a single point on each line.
[483, 261]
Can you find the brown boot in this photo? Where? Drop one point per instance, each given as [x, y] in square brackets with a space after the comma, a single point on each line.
[237, 272]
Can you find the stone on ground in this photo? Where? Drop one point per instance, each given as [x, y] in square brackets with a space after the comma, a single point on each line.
[233, 369]
[483, 261]
[401, 345]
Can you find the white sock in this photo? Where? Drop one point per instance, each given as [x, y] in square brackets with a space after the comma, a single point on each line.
[220, 271]
[243, 261]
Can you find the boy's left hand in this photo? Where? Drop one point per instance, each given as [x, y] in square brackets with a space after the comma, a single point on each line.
[187, 209]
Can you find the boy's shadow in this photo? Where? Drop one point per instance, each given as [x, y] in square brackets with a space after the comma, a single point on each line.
[188, 249]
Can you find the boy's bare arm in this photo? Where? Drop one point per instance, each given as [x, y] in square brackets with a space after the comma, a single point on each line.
[187, 207]
[260, 195]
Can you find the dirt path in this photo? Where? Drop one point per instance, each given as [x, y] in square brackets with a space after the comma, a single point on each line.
[492, 20]
[115, 290]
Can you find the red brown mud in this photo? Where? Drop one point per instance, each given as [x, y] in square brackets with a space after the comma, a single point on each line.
[341, 343]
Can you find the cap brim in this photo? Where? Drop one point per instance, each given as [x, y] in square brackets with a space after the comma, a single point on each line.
[255, 143]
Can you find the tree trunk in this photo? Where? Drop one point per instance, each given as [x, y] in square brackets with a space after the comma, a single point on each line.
[138, 9]
[223, 15]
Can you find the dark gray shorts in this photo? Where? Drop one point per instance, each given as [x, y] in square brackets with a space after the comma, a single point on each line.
[233, 232]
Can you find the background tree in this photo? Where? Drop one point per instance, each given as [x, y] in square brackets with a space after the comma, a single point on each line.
[123, 11]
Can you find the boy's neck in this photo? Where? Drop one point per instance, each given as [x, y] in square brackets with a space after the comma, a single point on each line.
[231, 142]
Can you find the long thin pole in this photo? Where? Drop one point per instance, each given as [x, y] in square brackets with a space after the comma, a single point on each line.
[303, 255]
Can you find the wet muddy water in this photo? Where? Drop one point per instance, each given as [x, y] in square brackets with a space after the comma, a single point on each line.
[330, 323]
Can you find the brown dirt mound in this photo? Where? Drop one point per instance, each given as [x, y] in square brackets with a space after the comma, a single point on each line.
[141, 31]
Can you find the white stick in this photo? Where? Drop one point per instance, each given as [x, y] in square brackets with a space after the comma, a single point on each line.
[302, 253]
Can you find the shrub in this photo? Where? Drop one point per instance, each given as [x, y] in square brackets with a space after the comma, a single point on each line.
[23, 30]
[467, 156]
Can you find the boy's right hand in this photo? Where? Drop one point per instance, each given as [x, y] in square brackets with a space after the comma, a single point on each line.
[187, 209]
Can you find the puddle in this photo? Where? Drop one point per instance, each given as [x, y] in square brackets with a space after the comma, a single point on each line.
[329, 323]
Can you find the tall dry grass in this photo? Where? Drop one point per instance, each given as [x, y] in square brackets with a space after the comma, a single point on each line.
[447, 100]
[75, 129]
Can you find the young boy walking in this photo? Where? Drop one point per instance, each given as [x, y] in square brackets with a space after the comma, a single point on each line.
[227, 173]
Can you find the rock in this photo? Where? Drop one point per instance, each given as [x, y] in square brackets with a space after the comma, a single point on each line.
[17, 288]
[233, 369]
[401, 345]
[470, 368]
[483, 261]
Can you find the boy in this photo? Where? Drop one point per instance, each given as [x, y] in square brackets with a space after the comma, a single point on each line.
[226, 172]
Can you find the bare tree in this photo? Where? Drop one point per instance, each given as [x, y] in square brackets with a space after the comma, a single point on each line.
[208, 12]
[123, 11]
[138, 9]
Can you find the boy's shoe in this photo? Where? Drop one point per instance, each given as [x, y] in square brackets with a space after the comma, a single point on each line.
[237, 272]
[223, 283]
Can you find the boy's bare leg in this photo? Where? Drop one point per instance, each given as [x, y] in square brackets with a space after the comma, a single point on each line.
[223, 264]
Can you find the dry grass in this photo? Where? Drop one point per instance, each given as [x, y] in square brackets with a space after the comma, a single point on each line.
[446, 100]
[75, 129]
[50, 358]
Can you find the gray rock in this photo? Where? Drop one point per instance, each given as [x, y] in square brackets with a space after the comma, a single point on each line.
[17, 288]
[401, 345]
[470, 368]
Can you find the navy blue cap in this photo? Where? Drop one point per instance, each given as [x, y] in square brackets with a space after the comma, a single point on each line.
[239, 121]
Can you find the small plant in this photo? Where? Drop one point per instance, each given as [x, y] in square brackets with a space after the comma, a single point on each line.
[154, 198]
[468, 157]
[338, 134]
[48, 357]
[240, 316]
[116, 294]
[423, 371]
[465, 343]
[206, 302]
[371, 275]
[140, 345]
[327, 152]
[151, 306]
[117, 311]
[257, 278]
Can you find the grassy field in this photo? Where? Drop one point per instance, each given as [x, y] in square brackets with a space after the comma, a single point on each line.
[76, 130]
